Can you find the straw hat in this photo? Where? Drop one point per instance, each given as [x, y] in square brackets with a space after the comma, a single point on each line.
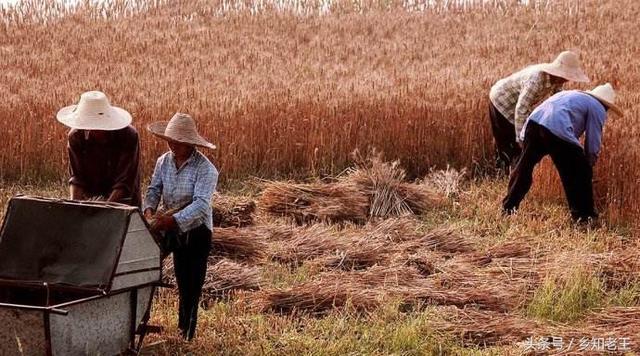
[607, 96]
[181, 128]
[94, 112]
[567, 66]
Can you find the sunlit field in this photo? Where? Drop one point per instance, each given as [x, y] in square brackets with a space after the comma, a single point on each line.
[318, 250]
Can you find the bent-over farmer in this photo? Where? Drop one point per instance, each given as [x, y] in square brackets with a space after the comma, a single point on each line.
[513, 98]
[104, 151]
[554, 128]
[185, 180]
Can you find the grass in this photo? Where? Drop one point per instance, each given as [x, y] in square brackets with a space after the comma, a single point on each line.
[566, 296]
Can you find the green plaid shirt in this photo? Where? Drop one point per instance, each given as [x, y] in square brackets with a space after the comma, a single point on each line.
[517, 95]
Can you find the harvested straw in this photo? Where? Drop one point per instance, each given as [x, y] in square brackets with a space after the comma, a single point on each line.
[307, 243]
[357, 255]
[223, 278]
[359, 291]
[226, 277]
[244, 244]
[318, 297]
[315, 202]
[497, 297]
[622, 268]
[614, 322]
[441, 240]
[229, 211]
[485, 328]
[389, 194]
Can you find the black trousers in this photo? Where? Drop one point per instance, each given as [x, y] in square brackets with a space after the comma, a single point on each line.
[190, 264]
[507, 150]
[575, 171]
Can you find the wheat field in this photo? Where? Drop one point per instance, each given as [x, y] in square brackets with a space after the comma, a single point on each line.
[292, 88]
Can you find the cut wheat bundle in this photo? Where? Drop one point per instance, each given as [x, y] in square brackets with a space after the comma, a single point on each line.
[621, 268]
[223, 278]
[226, 277]
[357, 254]
[239, 243]
[482, 328]
[307, 243]
[232, 211]
[319, 297]
[440, 240]
[486, 296]
[615, 323]
[389, 193]
[315, 202]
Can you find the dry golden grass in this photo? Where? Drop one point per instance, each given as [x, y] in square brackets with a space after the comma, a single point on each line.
[286, 94]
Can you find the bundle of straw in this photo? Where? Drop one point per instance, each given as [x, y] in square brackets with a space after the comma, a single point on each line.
[485, 328]
[239, 243]
[307, 243]
[223, 278]
[389, 194]
[315, 202]
[229, 211]
[319, 297]
[441, 240]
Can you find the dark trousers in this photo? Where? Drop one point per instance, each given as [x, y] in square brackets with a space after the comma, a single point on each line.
[507, 149]
[570, 161]
[190, 264]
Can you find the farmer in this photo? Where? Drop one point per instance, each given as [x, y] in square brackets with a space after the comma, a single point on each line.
[554, 129]
[513, 98]
[104, 151]
[185, 180]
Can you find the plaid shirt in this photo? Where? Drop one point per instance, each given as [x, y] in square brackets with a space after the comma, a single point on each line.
[192, 186]
[516, 95]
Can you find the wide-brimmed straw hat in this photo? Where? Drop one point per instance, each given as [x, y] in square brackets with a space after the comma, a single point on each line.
[94, 112]
[607, 96]
[567, 66]
[181, 128]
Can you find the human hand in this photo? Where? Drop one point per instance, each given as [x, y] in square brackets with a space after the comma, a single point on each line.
[164, 223]
[148, 214]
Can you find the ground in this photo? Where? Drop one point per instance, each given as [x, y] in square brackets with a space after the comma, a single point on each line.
[563, 300]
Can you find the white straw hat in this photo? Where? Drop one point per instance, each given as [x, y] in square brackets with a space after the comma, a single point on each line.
[607, 96]
[94, 112]
[181, 128]
[567, 66]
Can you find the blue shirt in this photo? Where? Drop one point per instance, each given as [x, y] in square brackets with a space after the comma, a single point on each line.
[192, 185]
[570, 114]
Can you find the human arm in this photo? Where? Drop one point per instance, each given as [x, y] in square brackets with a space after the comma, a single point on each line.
[154, 191]
[596, 117]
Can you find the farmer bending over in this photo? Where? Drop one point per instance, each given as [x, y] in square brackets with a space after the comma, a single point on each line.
[185, 180]
[104, 151]
[513, 98]
[554, 128]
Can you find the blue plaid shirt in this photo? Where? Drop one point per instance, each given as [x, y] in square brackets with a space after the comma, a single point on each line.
[192, 185]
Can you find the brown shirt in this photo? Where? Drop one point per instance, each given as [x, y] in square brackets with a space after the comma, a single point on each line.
[102, 167]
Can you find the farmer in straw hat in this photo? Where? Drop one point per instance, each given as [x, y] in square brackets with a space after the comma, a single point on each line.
[513, 98]
[554, 129]
[104, 151]
[185, 180]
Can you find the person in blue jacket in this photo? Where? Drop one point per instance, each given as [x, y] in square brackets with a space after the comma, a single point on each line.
[554, 128]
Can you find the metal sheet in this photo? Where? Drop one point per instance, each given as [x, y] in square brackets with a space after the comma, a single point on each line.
[96, 327]
[61, 242]
[139, 251]
[144, 299]
[22, 332]
[135, 279]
